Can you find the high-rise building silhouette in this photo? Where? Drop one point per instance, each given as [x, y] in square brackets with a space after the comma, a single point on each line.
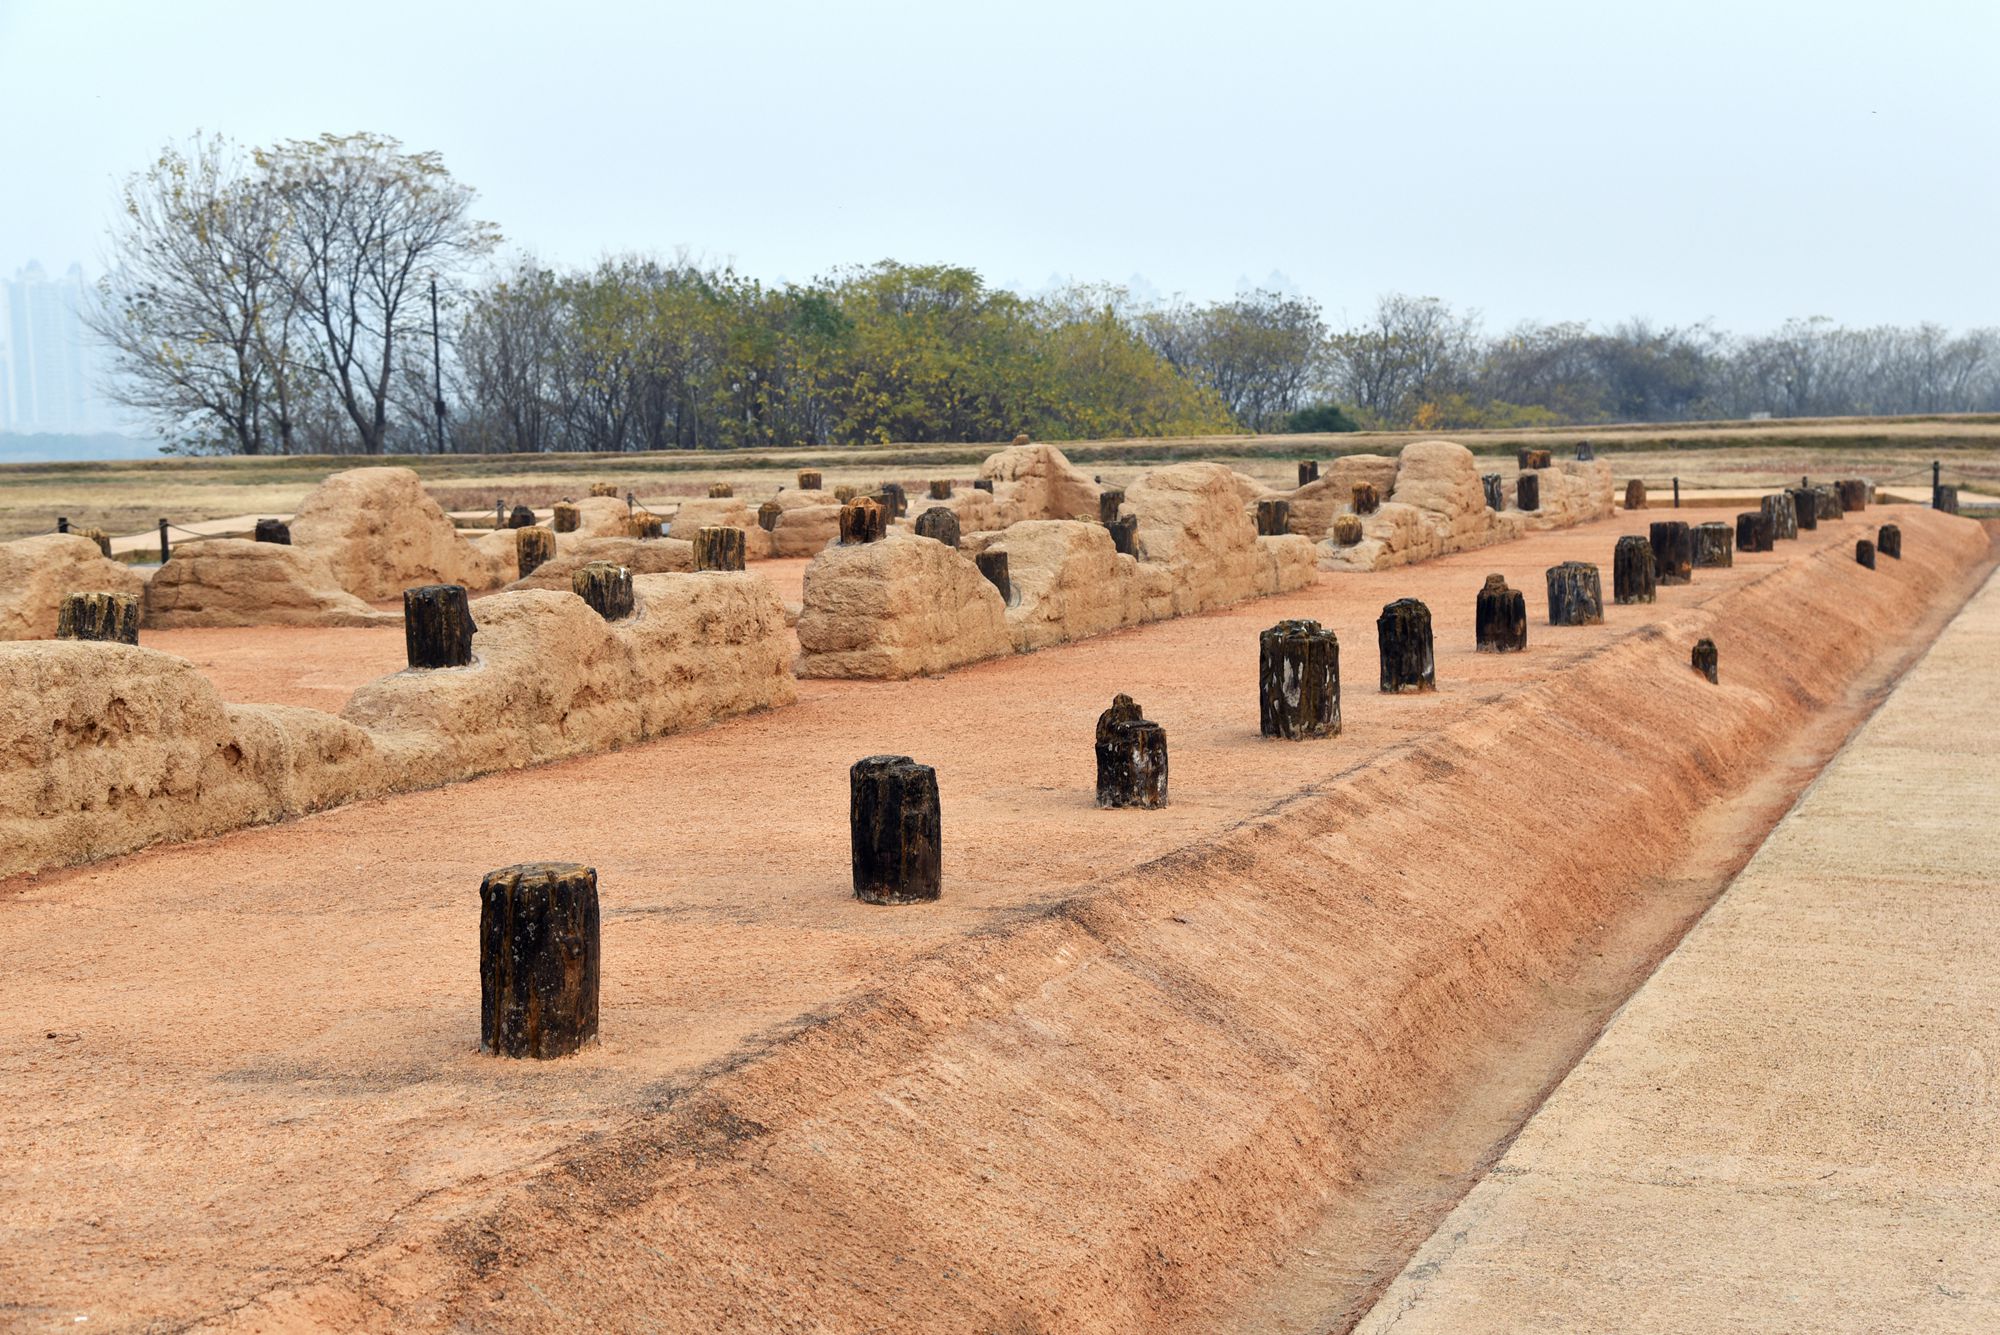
[46, 358]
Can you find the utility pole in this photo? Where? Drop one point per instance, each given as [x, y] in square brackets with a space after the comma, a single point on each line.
[437, 366]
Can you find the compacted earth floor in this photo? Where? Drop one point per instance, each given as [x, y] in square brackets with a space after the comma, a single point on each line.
[232, 1062]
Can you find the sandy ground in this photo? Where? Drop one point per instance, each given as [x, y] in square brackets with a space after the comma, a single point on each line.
[232, 1064]
[1792, 1126]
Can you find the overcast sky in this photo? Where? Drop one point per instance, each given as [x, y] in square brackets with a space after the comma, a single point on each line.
[1741, 161]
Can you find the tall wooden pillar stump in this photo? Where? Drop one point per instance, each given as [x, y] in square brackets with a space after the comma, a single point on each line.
[1298, 681]
[564, 517]
[809, 479]
[895, 501]
[1805, 508]
[521, 517]
[1714, 546]
[1889, 541]
[1705, 659]
[606, 586]
[1781, 512]
[1673, 552]
[719, 490]
[1853, 494]
[1576, 594]
[1632, 574]
[1500, 618]
[644, 524]
[1131, 757]
[718, 548]
[604, 489]
[1274, 518]
[1753, 532]
[1526, 459]
[437, 626]
[1367, 500]
[1495, 488]
[1308, 471]
[1347, 529]
[993, 565]
[533, 546]
[862, 520]
[1528, 492]
[1109, 502]
[1635, 495]
[1125, 534]
[1403, 636]
[112, 617]
[539, 959]
[895, 829]
[768, 515]
[1864, 553]
[1944, 498]
[1827, 498]
[940, 488]
[939, 522]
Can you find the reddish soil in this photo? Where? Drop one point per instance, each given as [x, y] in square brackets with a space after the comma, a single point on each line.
[243, 1084]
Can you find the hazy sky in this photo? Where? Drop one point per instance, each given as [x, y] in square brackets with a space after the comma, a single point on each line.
[1740, 161]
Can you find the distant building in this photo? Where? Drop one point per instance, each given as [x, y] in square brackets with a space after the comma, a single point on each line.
[46, 357]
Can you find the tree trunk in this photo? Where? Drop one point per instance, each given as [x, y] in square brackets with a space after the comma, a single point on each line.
[1805, 508]
[861, 520]
[1298, 681]
[940, 488]
[1828, 500]
[1781, 513]
[768, 515]
[1753, 532]
[1131, 758]
[1125, 534]
[718, 548]
[1714, 546]
[1889, 541]
[1308, 471]
[1853, 494]
[565, 518]
[809, 479]
[896, 830]
[606, 586]
[532, 546]
[1495, 487]
[938, 522]
[993, 565]
[1864, 552]
[1673, 552]
[1528, 492]
[894, 502]
[1576, 594]
[274, 530]
[99, 616]
[1274, 518]
[1500, 618]
[1109, 501]
[437, 626]
[539, 959]
[1366, 499]
[1403, 634]
[1632, 578]
[1704, 659]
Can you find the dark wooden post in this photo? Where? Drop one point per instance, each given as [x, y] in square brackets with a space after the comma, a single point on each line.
[166, 553]
[809, 479]
[1273, 518]
[768, 515]
[895, 501]
[1889, 541]
[1714, 545]
[532, 546]
[1827, 498]
[938, 522]
[564, 517]
[1943, 498]
[1528, 492]
[521, 517]
[500, 512]
[1298, 681]
[1635, 495]
[539, 959]
[1753, 532]
[1108, 503]
[1704, 659]
[1576, 594]
[1125, 534]
[1632, 579]
[1495, 488]
[1526, 459]
[1131, 758]
[437, 626]
[1308, 471]
[1366, 499]
[1677, 493]
[718, 490]
[98, 616]
[274, 531]
[644, 524]
[1403, 634]
[982, 484]
[940, 488]
[896, 830]
[861, 520]
[1500, 618]
[993, 565]
[1805, 507]
[1782, 512]
[606, 586]
[604, 489]
[62, 523]
[1347, 529]
[718, 548]
[1585, 452]
[1673, 552]
[1853, 494]
[1864, 552]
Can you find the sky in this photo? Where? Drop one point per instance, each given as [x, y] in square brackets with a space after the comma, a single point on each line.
[1737, 162]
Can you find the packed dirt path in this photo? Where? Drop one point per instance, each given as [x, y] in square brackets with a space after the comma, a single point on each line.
[1792, 1125]
[242, 1068]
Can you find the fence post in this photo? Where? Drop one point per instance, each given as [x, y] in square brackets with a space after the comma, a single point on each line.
[1677, 493]
[164, 553]
[62, 523]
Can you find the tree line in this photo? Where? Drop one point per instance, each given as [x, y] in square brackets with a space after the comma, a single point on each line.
[337, 296]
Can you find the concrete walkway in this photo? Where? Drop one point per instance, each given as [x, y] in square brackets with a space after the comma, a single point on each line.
[1793, 1126]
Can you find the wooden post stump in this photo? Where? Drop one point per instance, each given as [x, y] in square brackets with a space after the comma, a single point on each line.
[437, 626]
[604, 489]
[896, 830]
[606, 586]
[1781, 512]
[1500, 618]
[940, 488]
[532, 546]
[861, 520]
[166, 552]
[1714, 545]
[1495, 488]
[1576, 594]
[1944, 498]
[938, 522]
[1125, 534]
[1347, 529]
[718, 490]
[99, 616]
[1828, 500]
[1298, 681]
[809, 479]
[98, 536]
[894, 501]
[1632, 572]
[1864, 552]
[1528, 492]
[1274, 518]
[645, 524]
[718, 548]
[1131, 758]
[982, 484]
[1308, 471]
[1673, 552]
[1853, 494]
[1585, 452]
[1109, 502]
[1635, 495]
[993, 565]
[1527, 459]
[565, 517]
[521, 517]
[768, 515]
[1704, 659]
[1753, 532]
[1367, 500]
[1403, 635]
[539, 959]
[274, 530]
[844, 493]
[1889, 541]
[1805, 508]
